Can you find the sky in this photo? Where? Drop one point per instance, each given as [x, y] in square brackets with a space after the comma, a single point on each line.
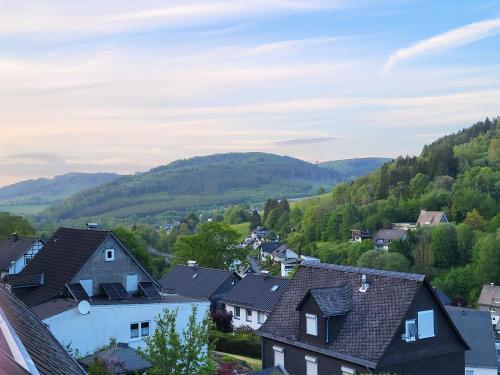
[126, 85]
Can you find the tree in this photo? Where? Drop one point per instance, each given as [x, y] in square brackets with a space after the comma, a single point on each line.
[136, 245]
[487, 258]
[444, 245]
[255, 219]
[215, 245]
[474, 220]
[384, 260]
[465, 242]
[271, 204]
[14, 224]
[171, 354]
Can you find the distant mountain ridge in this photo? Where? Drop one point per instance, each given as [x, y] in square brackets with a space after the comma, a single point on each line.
[352, 168]
[199, 183]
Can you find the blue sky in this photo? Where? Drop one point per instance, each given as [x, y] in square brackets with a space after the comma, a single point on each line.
[125, 85]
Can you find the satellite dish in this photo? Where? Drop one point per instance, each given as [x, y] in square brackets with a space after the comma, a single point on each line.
[84, 307]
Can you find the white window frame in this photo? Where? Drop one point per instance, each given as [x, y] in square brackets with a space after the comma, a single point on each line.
[139, 336]
[406, 335]
[313, 331]
[112, 258]
[279, 356]
[426, 324]
[237, 312]
[347, 370]
[249, 315]
[311, 361]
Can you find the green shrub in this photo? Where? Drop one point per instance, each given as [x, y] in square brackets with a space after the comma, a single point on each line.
[245, 344]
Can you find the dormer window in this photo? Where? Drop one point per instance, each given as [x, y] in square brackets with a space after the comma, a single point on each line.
[312, 324]
[410, 334]
[109, 255]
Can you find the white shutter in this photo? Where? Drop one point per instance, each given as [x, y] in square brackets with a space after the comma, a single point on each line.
[279, 356]
[311, 325]
[425, 324]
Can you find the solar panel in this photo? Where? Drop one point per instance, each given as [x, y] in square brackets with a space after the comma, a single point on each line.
[120, 290]
[149, 290]
[78, 292]
[110, 290]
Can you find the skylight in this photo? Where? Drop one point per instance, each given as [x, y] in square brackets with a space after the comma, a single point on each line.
[195, 275]
[275, 288]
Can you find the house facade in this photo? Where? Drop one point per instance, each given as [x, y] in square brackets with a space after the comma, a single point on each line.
[88, 288]
[431, 218]
[489, 300]
[253, 298]
[347, 320]
[16, 252]
[383, 238]
[358, 235]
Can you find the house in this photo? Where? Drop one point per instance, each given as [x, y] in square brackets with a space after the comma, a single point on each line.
[283, 253]
[16, 252]
[119, 359]
[199, 282]
[267, 248]
[475, 327]
[346, 320]
[26, 345]
[87, 288]
[384, 237]
[260, 232]
[288, 265]
[489, 300]
[358, 235]
[431, 218]
[309, 259]
[252, 267]
[253, 299]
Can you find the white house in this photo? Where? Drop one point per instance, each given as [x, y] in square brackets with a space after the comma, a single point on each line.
[253, 298]
[89, 289]
[384, 237]
[283, 253]
[16, 252]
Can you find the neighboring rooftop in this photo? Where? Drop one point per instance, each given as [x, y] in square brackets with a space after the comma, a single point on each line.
[386, 301]
[259, 292]
[195, 281]
[385, 236]
[431, 217]
[119, 359]
[475, 327]
[490, 295]
[443, 297]
[276, 370]
[30, 342]
[269, 247]
[14, 247]
[331, 301]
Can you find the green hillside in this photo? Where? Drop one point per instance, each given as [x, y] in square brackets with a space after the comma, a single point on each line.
[30, 196]
[198, 183]
[352, 168]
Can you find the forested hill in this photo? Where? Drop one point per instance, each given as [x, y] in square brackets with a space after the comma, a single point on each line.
[200, 182]
[47, 191]
[458, 174]
[352, 168]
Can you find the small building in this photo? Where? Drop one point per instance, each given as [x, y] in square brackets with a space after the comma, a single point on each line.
[384, 237]
[199, 282]
[489, 300]
[475, 327]
[283, 253]
[288, 265]
[253, 299]
[26, 345]
[88, 288]
[346, 320]
[260, 233]
[358, 235]
[16, 252]
[252, 267]
[267, 248]
[431, 218]
[120, 359]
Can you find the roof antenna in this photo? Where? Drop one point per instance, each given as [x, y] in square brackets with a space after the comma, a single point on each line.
[364, 284]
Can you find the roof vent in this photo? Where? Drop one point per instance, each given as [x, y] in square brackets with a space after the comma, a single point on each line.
[364, 284]
[192, 263]
[92, 226]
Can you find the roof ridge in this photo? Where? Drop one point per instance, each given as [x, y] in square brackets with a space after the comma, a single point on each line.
[367, 271]
[205, 268]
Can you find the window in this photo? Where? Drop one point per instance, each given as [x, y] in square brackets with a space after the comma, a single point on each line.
[425, 324]
[279, 356]
[347, 371]
[274, 288]
[261, 317]
[237, 312]
[88, 286]
[311, 325]
[311, 365]
[132, 284]
[139, 330]
[469, 372]
[249, 315]
[410, 334]
[109, 255]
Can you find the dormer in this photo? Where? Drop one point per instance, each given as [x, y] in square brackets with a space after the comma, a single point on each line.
[322, 313]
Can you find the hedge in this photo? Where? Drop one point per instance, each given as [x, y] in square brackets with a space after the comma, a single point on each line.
[238, 343]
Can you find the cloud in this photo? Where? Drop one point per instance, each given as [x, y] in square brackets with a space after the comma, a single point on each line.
[448, 40]
[303, 141]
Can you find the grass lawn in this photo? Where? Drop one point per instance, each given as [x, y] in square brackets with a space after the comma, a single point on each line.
[254, 363]
[243, 230]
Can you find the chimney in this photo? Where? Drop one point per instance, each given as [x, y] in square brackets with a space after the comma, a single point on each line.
[14, 237]
[364, 284]
[192, 263]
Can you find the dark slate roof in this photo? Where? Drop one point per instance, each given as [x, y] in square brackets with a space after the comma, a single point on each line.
[182, 280]
[386, 235]
[359, 340]
[276, 370]
[475, 327]
[331, 301]
[121, 358]
[23, 280]
[443, 297]
[254, 291]
[11, 250]
[62, 257]
[48, 356]
[269, 247]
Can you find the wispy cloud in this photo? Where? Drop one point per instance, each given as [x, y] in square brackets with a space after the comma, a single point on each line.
[303, 141]
[448, 40]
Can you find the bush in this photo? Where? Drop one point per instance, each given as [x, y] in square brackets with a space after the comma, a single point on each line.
[245, 344]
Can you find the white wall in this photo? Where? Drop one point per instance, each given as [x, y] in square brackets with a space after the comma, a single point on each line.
[482, 371]
[87, 333]
[19, 265]
[242, 321]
